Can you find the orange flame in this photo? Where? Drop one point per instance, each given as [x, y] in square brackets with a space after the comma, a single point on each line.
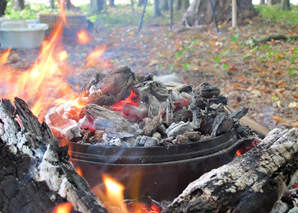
[95, 55]
[238, 153]
[4, 57]
[62, 12]
[43, 83]
[63, 208]
[63, 55]
[114, 194]
[83, 37]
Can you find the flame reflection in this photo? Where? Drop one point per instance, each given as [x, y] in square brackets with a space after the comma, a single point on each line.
[63, 208]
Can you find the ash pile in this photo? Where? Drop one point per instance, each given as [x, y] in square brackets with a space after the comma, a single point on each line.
[128, 110]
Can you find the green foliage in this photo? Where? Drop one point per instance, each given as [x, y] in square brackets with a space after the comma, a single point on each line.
[274, 14]
[31, 11]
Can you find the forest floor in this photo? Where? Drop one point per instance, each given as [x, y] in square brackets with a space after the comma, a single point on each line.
[262, 78]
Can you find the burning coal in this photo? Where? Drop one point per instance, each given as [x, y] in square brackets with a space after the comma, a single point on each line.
[126, 110]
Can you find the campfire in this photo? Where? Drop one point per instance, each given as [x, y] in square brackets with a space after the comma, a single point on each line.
[166, 148]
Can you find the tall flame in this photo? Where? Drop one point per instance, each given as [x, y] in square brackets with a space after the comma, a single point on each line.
[95, 55]
[114, 194]
[63, 208]
[62, 11]
[4, 57]
[42, 84]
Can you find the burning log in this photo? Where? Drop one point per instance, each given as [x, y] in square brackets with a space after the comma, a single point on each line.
[35, 172]
[252, 182]
[114, 87]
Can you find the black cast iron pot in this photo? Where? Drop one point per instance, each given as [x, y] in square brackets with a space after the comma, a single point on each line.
[159, 172]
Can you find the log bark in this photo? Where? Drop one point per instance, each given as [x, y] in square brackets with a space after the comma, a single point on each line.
[200, 13]
[262, 40]
[36, 173]
[252, 182]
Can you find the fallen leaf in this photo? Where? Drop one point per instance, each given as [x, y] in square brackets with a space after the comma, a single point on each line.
[233, 69]
[153, 62]
[295, 124]
[278, 119]
[278, 72]
[237, 86]
[293, 105]
[296, 96]
[280, 83]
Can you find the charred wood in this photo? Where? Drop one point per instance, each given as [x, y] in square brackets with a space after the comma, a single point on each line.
[36, 167]
[252, 182]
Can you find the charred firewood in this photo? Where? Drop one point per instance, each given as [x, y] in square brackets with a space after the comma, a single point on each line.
[111, 122]
[114, 87]
[252, 182]
[206, 90]
[35, 172]
[157, 89]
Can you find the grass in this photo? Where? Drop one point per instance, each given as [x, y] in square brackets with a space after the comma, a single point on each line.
[274, 14]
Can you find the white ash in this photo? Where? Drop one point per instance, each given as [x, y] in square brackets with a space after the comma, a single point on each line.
[176, 129]
[111, 141]
[146, 141]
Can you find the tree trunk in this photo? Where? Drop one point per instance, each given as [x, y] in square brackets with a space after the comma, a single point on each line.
[272, 2]
[97, 6]
[36, 174]
[141, 3]
[200, 13]
[285, 5]
[185, 4]
[157, 11]
[165, 5]
[252, 182]
[112, 3]
[262, 1]
[3, 4]
[178, 5]
[20, 4]
[52, 5]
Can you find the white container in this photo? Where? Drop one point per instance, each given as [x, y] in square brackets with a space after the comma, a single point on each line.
[18, 34]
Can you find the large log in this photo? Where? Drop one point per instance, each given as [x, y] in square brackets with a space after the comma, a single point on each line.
[252, 182]
[35, 172]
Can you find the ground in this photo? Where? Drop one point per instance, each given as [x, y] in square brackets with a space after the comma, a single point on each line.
[262, 78]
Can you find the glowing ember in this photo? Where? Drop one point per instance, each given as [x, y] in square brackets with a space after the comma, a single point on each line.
[132, 99]
[114, 194]
[63, 55]
[296, 185]
[83, 37]
[238, 153]
[141, 208]
[63, 208]
[95, 56]
[4, 56]
[79, 171]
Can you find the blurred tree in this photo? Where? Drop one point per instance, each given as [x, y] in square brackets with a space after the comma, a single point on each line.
[200, 13]
[3, 4]
[52, 5]
[157, 11]
[285, 5]
[182, 4]
[141, 3]
[97, 6]
[19, 4]
[262, 1]
[112, 3]
[165, 5]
